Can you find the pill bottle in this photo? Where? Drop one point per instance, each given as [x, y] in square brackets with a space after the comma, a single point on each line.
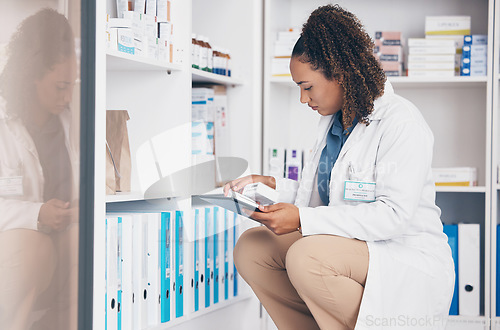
[195, 52]
[216, 60]
[229, 63]
[203, 53]
[210, 64]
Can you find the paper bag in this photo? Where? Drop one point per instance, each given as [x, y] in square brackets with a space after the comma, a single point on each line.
[118, 161]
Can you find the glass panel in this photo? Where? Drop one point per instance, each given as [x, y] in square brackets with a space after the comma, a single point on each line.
[39, 163]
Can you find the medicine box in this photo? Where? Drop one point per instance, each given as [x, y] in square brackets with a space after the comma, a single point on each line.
[428, 42]
[293, 161]
[432, 58]
[472, 51]
[163, 10]
[432, 50]
[449, 25]
[283, 49]
[389, 53]
[277, 162]
[476, 39]
[455, 176]
[290, 36]
[202, 107]
[124, 39]
[280, 67]
[431, 73]
[392, 68]
[388, 38]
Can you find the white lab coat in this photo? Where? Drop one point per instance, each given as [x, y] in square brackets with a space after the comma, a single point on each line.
[19, 157]
[411, 274]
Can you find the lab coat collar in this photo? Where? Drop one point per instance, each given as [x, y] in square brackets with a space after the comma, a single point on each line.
[379, 110]
[3, 109]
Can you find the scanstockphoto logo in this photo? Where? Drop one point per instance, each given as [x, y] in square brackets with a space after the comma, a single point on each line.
[406, 321]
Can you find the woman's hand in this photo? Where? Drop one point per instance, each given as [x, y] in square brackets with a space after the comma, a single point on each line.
[238, 184]
[56, 214]
[281, 218]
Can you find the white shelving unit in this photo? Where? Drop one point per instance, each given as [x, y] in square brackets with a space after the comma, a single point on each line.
[120, 61]
[495, 162]
[463, 113]
[458, 110]
[157, 96]
[212, 78]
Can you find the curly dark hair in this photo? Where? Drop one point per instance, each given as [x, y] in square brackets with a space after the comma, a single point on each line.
[40, 42]
[334, 41]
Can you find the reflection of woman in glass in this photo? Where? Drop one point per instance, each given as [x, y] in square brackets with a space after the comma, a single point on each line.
[38, 168]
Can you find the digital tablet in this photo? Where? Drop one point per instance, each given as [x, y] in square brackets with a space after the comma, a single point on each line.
[236, 203]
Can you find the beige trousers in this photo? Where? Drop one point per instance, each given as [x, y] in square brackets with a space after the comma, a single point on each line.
[38, 272]
[304, 282]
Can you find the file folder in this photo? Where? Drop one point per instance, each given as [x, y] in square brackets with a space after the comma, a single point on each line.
[153, 269]
[498, 272]
[208, 255]
[140, 271]
[119, 273]
[235, 238]
[196, 265]
[230, 220]
[468, 269]
[127, 309]
[452, 232]
[165, 259]
[201, 257]
[217, 213]
[111, 309]
[225, 278]
[179, 264]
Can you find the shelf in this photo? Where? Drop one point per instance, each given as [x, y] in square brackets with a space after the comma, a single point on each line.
[437, 81]
[476, 189]
[286, 80]
[120, 61]
[466, 322]
[204, 311]
[125, 197]
[200, 76]
[409, 81]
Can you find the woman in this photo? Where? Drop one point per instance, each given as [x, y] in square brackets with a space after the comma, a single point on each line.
[39, 170]
[362, 245]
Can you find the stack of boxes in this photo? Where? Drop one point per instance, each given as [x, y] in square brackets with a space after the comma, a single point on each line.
[145, 31]
[439, 53]
[203, 116]
[442, 33]
[455, 176]
[389, 51]
[474, 55]
[431, 58]
[283, 52]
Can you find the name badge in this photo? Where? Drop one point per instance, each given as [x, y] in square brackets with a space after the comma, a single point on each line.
[11, 186]
[359, 191]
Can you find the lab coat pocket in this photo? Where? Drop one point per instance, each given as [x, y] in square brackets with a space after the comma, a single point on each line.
[361, 172]
[11, 180]
[10, 170]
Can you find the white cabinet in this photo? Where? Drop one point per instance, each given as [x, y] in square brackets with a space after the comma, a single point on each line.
[157, 96]
[265, 112]
[495, 161]
[458, 109]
